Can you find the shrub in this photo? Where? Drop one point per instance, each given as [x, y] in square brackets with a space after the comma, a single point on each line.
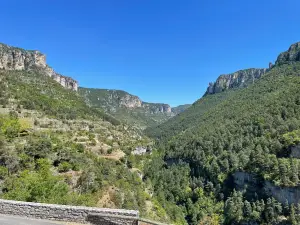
[64, 167]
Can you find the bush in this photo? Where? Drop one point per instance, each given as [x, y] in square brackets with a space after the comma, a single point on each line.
[109, 151]
[3, 172]
[64, 167]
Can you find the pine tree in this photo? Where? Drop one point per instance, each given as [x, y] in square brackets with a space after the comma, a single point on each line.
[292, 215]
[247, 209]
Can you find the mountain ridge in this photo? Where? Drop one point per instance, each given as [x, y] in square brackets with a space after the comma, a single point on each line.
[19, 59]
[128, 107]
[133, 101]
[242, 78]
[238, 79]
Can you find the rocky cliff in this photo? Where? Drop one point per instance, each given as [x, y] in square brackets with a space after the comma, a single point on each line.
[12, 58]
[252, 185]
[240, 78]
[243, 78]
[291, 55]
[157, 107]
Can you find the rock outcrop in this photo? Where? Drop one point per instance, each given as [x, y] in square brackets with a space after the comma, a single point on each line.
[157, 107]
[240, 78]
[292, 55]
[12, 58]
[252, 185]
[243, 78]
[130, 101]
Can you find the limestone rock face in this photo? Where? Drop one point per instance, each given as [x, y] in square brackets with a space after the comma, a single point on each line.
[240, 78]
[130, 101]
[12, 58]
[157, 107]
[292, 55]
[249, 183]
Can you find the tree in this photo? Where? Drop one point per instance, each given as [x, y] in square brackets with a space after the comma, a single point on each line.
[234, 208]
[292, 217]
[247, 209]
[38, 148]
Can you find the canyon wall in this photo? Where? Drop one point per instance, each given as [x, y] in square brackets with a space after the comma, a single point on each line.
[13, 58]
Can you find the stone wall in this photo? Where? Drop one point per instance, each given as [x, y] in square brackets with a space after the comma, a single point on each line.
[77, 214]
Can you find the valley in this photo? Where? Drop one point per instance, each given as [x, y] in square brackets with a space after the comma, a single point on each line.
[232, 157]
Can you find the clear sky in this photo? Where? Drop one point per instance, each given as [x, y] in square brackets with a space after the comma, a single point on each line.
[161, 50]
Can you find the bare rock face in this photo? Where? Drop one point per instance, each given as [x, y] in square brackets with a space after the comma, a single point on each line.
[249, 183]
[157, 107]
[130, 101]
[292, 55]
[283, 194]
[240, 78]
[12, 58]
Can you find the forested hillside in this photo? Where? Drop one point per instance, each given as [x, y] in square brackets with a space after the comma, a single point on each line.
[54, 148]
[232, 157]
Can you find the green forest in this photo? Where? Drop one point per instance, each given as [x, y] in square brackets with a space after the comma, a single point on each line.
[251, 130]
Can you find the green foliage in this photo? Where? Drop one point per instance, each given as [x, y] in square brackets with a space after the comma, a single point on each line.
[292, 138]
[250, 129]
[9, 126]
[64, 167]
[37, 186]
[60, 164]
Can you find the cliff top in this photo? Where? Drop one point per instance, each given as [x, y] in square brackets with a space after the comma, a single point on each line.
[5, 46]
[291, 55]
[15, 58]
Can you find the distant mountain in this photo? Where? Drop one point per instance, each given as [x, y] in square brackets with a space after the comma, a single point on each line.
[179, 109]
[128, 107]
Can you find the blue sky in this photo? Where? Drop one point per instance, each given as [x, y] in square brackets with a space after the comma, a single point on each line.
[161, 50]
